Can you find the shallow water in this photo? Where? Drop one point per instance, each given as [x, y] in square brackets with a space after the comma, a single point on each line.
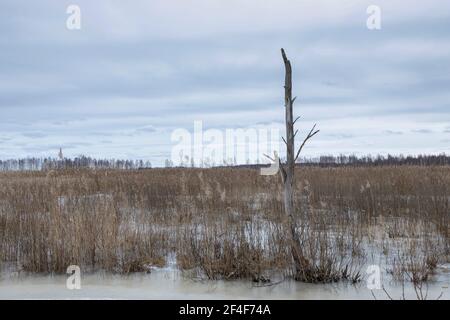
[167, 283]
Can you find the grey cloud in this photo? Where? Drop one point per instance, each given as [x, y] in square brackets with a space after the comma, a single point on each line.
[341, 135]
[393, 132]
[146, 129]
[424, 131]
[4, 139]
[34, 135]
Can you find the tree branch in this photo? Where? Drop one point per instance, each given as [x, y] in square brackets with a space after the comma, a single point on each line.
[311, 134]
[268, 157]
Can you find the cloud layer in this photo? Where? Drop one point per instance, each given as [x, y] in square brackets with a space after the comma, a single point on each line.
[136, 71]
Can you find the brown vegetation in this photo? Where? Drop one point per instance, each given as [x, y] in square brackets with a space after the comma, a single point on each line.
[227, 223]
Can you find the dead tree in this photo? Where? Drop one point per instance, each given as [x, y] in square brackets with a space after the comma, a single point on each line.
[287, 171]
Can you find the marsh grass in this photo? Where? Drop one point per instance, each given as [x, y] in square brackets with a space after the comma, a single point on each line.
[227, 223]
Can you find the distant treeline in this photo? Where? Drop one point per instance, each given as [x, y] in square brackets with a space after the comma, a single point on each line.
[66, 163]
[379, 160]
[419, 160]
[36, 164]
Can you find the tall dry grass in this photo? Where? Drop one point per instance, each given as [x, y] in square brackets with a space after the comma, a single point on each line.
[226, 223]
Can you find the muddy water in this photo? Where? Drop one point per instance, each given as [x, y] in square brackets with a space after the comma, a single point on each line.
[170, 284]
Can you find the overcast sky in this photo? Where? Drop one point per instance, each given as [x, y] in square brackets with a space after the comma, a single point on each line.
[137, 70]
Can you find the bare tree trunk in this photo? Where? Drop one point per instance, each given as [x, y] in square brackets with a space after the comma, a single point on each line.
[287, 170]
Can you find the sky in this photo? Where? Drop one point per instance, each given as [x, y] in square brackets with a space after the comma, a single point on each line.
[136, 71]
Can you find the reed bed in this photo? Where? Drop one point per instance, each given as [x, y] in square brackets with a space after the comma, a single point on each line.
[227, 223]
